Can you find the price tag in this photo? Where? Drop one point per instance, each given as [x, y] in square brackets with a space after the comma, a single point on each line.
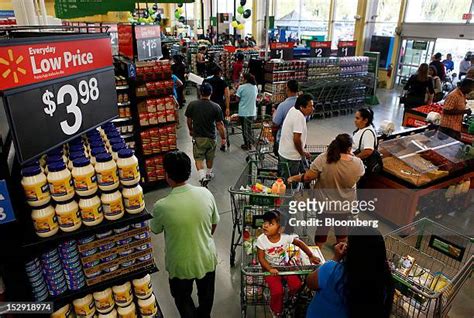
[282, 51]
[346, 48]
[148, 39]
[55, 113]
[6, 209]
[320, 48]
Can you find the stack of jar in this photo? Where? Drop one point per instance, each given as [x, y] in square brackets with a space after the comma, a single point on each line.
[92, 178]
[56, 271]
[132, 299]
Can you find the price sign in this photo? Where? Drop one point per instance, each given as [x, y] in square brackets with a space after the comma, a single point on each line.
[148, 42]
[113, 32]
[6, 209]
[282, 51]
[320, 49]
[49, 113]
[346, 48]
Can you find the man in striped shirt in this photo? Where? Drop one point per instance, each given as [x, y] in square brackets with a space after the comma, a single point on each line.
[455, 108]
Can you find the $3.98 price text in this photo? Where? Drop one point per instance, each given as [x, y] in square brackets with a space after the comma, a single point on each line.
[88, 90]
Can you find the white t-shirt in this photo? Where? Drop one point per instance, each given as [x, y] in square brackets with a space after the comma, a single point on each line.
[295, 122]
[276, 253]
[368, 141]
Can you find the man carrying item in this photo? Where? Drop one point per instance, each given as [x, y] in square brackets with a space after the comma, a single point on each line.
[202, 117]
[454, 109]
[293, 137]
[439, 66]
[188, 216]
[292, 89]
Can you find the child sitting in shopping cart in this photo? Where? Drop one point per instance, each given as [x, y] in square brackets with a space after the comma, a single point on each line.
[272, 249]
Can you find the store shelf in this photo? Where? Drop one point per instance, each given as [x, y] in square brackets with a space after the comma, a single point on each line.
[70, 295]
[36, 242]
[157, 154]
[157, 125]
[126, 136]
[123, 104]
[121, 119]
[288, 71]
[122, 87]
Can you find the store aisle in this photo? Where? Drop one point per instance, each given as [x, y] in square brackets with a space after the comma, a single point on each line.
[228, 167]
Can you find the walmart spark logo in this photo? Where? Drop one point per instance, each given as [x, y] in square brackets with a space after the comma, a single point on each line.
[13, 66]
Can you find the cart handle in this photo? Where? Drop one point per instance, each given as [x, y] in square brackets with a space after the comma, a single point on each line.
[287, 273]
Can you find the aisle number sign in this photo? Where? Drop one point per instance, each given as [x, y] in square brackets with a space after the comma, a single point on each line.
[346, 48]
[6, 209]
[320, 48]
[54, 91]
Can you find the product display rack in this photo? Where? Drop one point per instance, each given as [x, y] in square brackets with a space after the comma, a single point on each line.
[125, 120]
[277, 73]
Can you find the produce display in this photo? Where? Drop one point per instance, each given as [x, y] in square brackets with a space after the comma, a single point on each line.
[426, 109]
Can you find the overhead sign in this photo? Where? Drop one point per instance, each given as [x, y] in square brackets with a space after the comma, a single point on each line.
[67, 9]
[33, 63]
[6, 209]
[282, 50]
[420, 45]
[148, 38]
[125, 40]
[346, 48]
[50, 113]
[320, 48]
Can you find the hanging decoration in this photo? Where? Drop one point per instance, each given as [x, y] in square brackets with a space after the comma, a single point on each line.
[247, 13]
[242, 15]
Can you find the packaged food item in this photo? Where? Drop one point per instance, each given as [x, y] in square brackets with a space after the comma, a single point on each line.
[127, 312]
[104, 301]
[116, 148]
[123, 294]
[133, 198]
[68, 215]
[73, 156]
[127, 263]
[122, 229]
[142, 287]
[60, 182]
[63, 312]
[91, 210]
[83, 174]
[148, 306]
[84, 306]
[112, 204]
[129, 172]
[112, 314]
[107, 174]
[45, 221]
[103, 234]
[35, 185]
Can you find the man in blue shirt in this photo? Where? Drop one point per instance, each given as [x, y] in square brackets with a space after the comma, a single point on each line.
[292, 88]
[448, 62]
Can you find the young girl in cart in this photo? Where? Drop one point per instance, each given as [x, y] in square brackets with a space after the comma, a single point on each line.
[272, 249]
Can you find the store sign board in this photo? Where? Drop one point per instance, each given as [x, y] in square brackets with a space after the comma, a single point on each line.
[6, 208]
[27, 64]
[282, 50]
[420, 45]
[320, 48]
[67, 9]
[44, 117]
[125, 40]
[467, 16]
[113, 33]
[346, 48]
[148, 39]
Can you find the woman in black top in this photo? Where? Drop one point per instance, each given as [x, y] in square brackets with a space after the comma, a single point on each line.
[179, 69]
[417, 86]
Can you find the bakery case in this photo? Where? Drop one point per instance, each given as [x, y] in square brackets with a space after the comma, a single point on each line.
[424, 172]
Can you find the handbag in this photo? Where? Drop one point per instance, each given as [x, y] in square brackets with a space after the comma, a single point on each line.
[373, 164]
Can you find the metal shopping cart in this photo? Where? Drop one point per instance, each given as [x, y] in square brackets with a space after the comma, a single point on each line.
[430, 264]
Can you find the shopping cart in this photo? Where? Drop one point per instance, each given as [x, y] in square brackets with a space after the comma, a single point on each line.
[430, 264]
[254, 292]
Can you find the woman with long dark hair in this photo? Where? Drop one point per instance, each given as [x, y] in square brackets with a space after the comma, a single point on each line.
[337, 172]
[357, 282]
[365, 137]
[419, 88]
[247, 97]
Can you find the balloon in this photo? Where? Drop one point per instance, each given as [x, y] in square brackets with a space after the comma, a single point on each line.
[240, 9]
[182, 19]
[145, 14]
[155, 7]
[180, 10]
[177, 14]
[241, 27]
[180, 5]
[235, 24]
[158, 18]
[243, 2]
[247, 13]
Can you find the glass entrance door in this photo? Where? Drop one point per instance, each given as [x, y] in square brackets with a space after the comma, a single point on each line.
[413, 52]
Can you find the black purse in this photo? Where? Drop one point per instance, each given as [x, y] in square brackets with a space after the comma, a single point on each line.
[373, 164]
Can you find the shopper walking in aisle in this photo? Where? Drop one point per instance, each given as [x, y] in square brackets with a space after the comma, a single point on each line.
[201, 61]
[188, 216]
[247, 97]
[465, 65]
[419, 88]
[448, 62]
[203, 116]
[179, 69]
[220, 90]
[437, 85]
[357, 282]
[337, 172]
[292, 89]
[237, 68]
[454, 109]
[293, 137]
[440, 70]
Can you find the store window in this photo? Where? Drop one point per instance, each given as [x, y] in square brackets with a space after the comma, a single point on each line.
[344, 21]
[189, 11]
[437, 11]
[386, 20]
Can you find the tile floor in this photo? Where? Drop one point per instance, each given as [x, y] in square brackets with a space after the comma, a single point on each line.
[229, 166]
